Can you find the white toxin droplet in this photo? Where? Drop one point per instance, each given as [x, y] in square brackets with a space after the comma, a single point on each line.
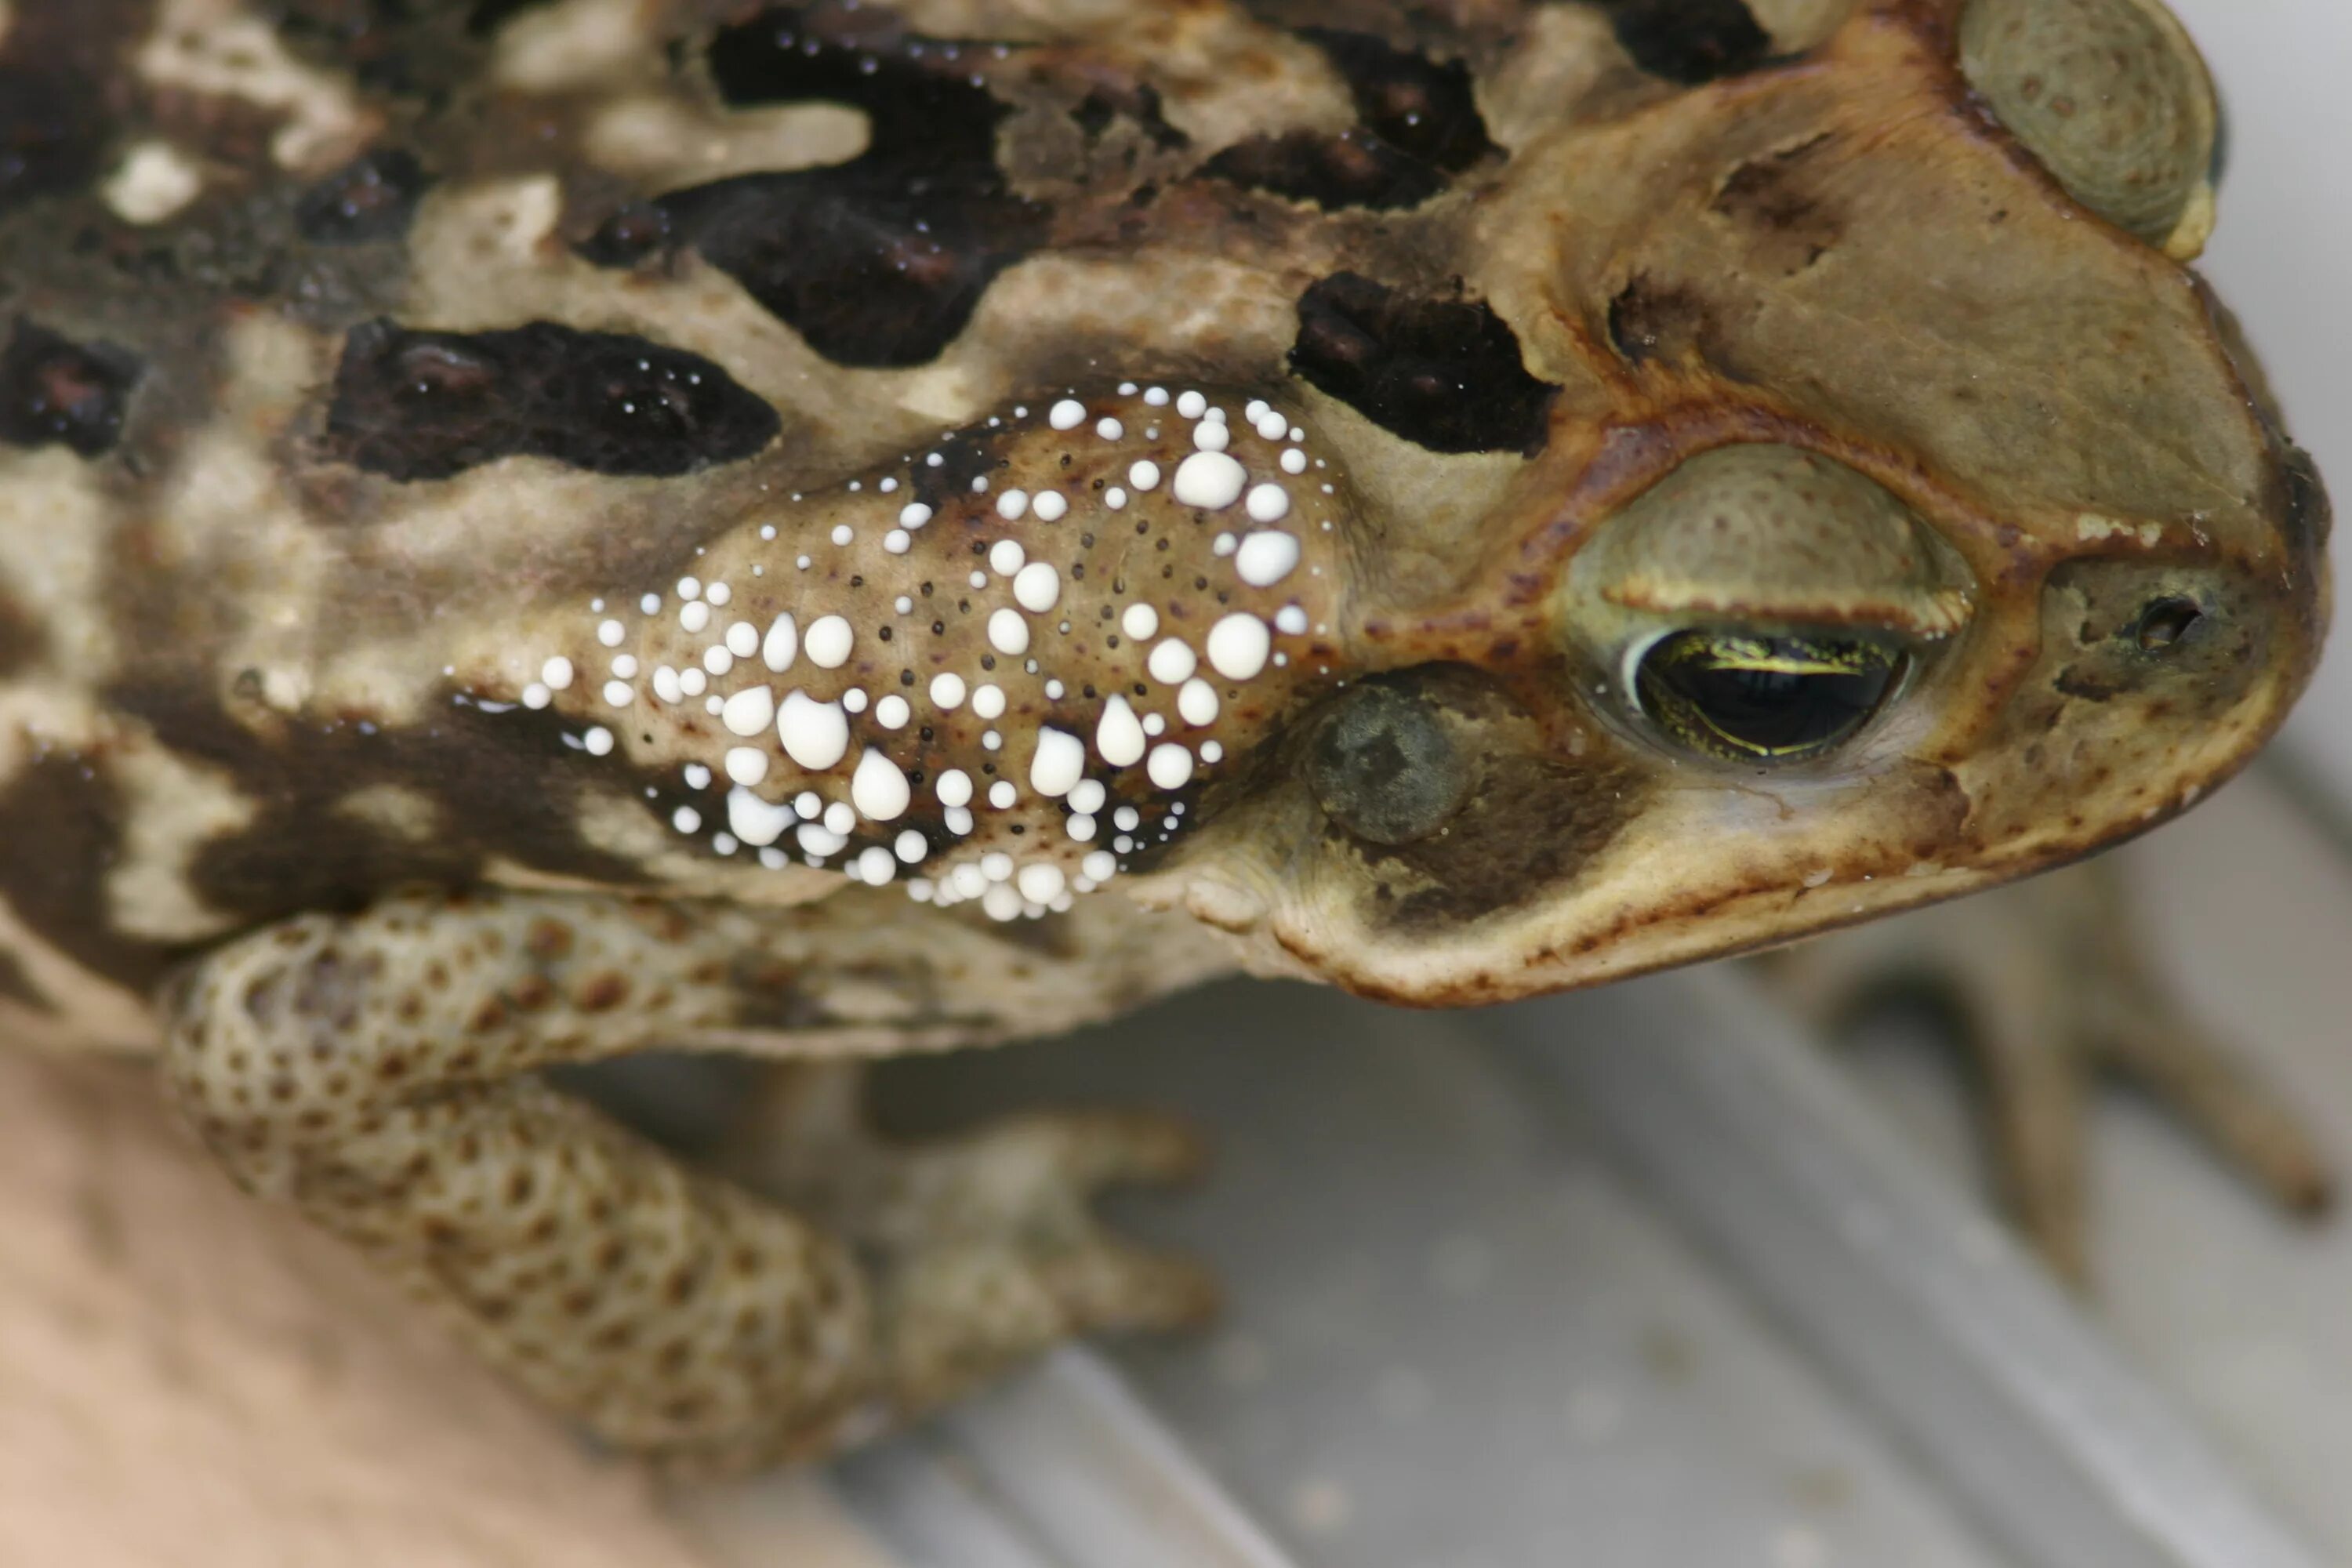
[947, 692]
[913, 515]
[1109, 429]
[874, 866]
[685, 819]
[753, 820]
[749, 711]
[1266, 558]
[841, 817]
[1087, 795]
[1115, 498]
[1036, 587]
[1157, 396]
[1290, 618]
[1207, 481]
[897, 542]
[1008, 634]
[746, 766]
[1140, 621]
[988, 701]
[610, 632]
[783, 644]
[892, 712]
[1060, 763]
[599, 740]
[718, 658]
[1271, 425]
[692, 682]
[1190, 405]
[1118, 736]
[619, 693]
[954, 787]
[854, 699]
[1144, 474]
[911, 847]
[694, 616]
[1100, 865]
[829, 641]
[1171, 765]
[820, 841]
[1066, 414]
[1012, 504]
[537, 695]
[1051, 506]
[666, 685]
[1267, 503]
[1238, 646]
[878, 789]
[1196, 704]
[814, 734]
[1211, 435]
[1172, 661]
[556, 673]
[1001, 794]
[1040, 883]
[1294, 461]
[1005, 556]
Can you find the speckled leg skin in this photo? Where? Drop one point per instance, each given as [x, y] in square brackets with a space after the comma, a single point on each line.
[2047, 983]
[376, 1070]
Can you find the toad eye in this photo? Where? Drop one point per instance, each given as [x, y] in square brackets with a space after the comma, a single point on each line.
[1748, 697]
[2113, 99]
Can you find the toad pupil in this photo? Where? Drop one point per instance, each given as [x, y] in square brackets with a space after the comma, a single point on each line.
[1773, 697]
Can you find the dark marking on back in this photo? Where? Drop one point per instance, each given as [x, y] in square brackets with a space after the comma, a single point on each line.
[52, 132]
[1445, 373]
[1690, 41]
[427, 406]
[876, 262]
[1794, 225]
[2308, 517]
[1137, 101]
[506, 786]
[1413, 103]
[1353, 169]
[488, 16]
[367, 201]
[21, 639]
[57, 392]
[60, 834]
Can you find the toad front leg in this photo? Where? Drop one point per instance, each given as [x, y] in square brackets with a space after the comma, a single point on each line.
[379, 1070]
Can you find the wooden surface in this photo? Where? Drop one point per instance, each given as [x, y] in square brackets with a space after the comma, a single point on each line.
[188, 1378]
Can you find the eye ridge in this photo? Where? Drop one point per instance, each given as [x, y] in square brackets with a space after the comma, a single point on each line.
[1749, 697]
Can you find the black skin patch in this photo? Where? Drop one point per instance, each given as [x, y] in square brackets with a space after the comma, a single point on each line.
[427, 406]
[367, 201]
[61, 824]
[1443, 374]
[1419, 124]
[1353, 169]
[21, 641]
[57, 392]
[1418, 106]
[879, 262]
[52, 134]
[1140, 103]
[506, 786]
[1690, 41]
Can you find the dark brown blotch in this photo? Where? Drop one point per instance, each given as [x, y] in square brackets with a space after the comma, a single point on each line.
[1353, 169]
[61, 826]
[57, 392]
[1690, 41]
[876, 262]
[427, 406]
[1420, 107]
[1443, 374]
[368, 201]
[1649, 321]
[52, 132]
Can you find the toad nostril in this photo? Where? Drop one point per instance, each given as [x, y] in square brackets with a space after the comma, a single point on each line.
[2164, 622]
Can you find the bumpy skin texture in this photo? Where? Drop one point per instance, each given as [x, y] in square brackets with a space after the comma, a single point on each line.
[474, 466]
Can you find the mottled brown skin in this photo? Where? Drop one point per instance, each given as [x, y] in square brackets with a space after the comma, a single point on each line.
[353, 360]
